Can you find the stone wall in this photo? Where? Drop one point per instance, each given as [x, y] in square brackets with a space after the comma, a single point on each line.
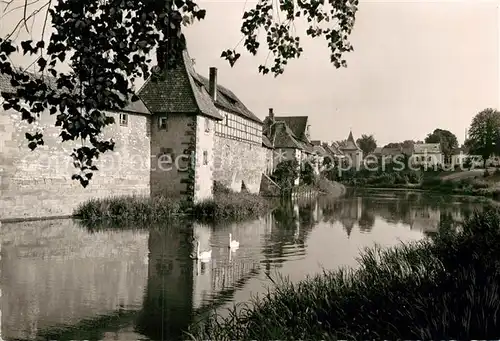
[269, 161]
[205, 152]
[237, 162]
[38, 184]
[170, 150]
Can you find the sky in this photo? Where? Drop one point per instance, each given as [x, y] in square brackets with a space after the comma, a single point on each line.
[416, 66]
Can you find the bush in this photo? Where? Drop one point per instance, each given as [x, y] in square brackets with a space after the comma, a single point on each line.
[285, 174]
[219, 188]
[307, 175]
[125, 209]
[231, 206]
[445, 288]
[326, 186]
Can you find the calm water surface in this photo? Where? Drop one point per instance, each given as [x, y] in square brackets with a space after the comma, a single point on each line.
[61, 281]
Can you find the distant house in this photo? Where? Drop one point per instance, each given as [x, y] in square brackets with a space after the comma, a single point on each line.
[269, 154]
[388, 154]
[286, 146]
[300, 129]
[427, 154]
[351, 150]
[320, 154]
[333, 151]
[459, 156]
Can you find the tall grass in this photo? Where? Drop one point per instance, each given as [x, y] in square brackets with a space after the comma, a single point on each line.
[443, 288]
[225, 204]
[129, 209]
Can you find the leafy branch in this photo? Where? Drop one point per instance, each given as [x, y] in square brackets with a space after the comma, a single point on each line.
[107, 44]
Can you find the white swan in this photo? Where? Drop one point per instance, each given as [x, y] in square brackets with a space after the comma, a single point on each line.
[233, 244]
[203, 256]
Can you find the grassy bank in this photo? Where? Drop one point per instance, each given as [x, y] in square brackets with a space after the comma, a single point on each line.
[434, 289]
[225, 204]
[485, 184]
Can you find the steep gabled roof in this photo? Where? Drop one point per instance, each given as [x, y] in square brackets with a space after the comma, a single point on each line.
[297, 124]
[319, 150]
[281, 136]
[336, 148]
[6, 86]
[350, 143]
[332, 150]
[178, 92]
[227, 100]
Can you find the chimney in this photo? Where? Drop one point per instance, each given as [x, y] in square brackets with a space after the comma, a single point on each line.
[271, 114]
[213, 83]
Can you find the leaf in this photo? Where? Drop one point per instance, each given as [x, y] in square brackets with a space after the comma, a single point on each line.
[32, 145]
[42, 63]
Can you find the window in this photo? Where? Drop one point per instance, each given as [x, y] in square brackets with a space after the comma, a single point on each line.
[162, 123]
[123, 120]
[205, 157]
[226, 119]
[207, 125]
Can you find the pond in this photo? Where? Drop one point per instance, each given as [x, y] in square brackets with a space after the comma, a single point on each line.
[60, 280]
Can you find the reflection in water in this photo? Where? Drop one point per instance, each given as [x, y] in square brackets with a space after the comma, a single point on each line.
[61, 282]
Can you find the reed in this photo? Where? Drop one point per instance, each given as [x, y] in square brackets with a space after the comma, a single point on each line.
[440, 288]
[121, 211]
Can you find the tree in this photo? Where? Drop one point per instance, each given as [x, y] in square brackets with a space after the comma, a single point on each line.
[107, 45]
[484, 134]
[367, 143]
[393, 145]
[307, 175]
[286, 173]
[408, 144]
[446, 139]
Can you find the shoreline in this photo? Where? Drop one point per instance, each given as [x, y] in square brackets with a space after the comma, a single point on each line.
[212, 209]
[494, 195]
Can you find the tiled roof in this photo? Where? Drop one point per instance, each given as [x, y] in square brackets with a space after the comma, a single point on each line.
[307, 146]
[350, 143]
[281, 136]
[392, 151]
[336, 148]
[332, 150]
[421, 148]
[266, 143]
[319, 150]
[227, 100]
[6, 86]
[178, 92]
[298, 124]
